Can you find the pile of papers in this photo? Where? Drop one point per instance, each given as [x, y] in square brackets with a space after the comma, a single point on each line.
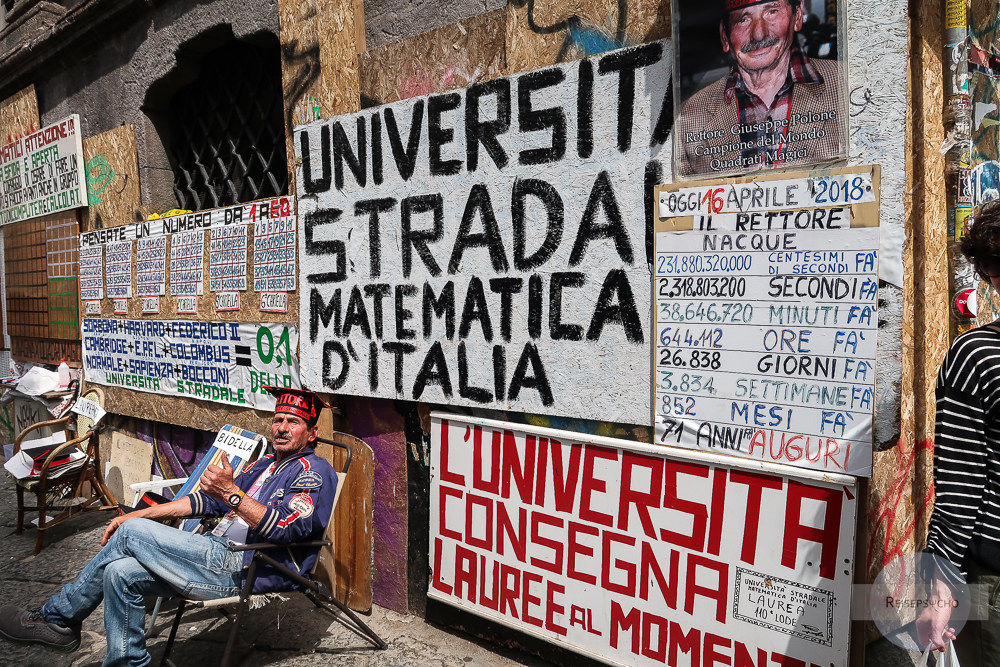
[28, 462]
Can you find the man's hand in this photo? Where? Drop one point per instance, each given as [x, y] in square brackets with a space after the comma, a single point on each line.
[112, 527]
[932, 623]
[218, 482]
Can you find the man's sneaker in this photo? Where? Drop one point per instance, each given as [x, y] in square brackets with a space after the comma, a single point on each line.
[22, 625]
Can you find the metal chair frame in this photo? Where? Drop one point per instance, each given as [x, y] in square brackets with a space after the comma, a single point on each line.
[314, 590]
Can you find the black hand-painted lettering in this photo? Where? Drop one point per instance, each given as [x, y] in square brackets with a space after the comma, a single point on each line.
[373, 366]
[535, 306]
[465, 390]
[475, 310]
[559, 330]
[404, 314]
[377, 292]
[651, 178]
[406, 159]
[357, 161]
[443, 305]
[418, 239]
[479, 202]
[399, 350]
[324, 313]
[616, 304]
[331, 381]
[538, 380]
[438, 136]
[314, 219]
[434, 370]
[316, 185]
[499, 372]
[505, 287]
[602, 195]
[372, 208]
[478, 131]
[377, 175]
[665, 119]
[626, 62]
[357, 314]
[585, 109]
[554, 212]
[533, 120]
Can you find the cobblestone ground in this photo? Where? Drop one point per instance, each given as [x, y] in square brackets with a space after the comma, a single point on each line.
[291, 633]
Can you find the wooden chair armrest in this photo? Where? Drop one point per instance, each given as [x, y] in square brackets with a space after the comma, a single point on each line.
[44, 472]
[270, 545]
[33, 427]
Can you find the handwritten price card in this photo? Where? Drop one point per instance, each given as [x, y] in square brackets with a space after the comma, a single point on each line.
[765, 294]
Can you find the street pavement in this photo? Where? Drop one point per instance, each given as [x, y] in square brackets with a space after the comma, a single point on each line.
[293, 633]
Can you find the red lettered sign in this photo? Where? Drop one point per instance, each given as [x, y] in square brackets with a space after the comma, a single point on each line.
[637, 554]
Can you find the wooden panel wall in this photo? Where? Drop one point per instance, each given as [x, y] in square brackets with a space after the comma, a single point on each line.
[111, 165]
[19, 115]
[900, 493]
[453, 56]
[543, 33]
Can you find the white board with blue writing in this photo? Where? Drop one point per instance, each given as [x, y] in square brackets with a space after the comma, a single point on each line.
[766, 316]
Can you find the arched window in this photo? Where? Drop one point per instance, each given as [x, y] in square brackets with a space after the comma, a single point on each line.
[223, 130]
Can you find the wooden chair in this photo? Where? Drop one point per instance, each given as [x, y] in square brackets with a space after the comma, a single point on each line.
[316, 591]
[60, 496]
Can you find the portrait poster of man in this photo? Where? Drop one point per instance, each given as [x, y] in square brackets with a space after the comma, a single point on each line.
[759, 84]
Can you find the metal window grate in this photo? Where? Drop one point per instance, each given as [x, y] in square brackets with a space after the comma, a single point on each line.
[228, 139]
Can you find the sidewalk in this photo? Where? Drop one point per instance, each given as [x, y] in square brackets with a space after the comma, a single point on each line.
[288, 634]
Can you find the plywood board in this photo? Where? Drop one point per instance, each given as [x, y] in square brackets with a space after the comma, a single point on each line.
[545, 32]
[19, 115]
[111, 165]
[452, 56]
[319, 70]
[346, 567]
[189, 412]
[129, 461]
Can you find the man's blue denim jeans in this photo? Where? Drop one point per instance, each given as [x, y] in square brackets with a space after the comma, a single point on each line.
[143, 558]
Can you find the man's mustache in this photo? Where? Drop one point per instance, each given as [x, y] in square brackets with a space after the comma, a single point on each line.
[754, 45]
[283, 434]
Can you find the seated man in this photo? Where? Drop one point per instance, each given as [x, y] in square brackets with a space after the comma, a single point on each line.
[284, 497]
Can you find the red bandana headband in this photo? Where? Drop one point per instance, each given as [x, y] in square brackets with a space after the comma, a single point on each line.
[301, 403]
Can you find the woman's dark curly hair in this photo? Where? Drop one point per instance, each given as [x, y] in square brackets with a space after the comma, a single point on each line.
[981, 244]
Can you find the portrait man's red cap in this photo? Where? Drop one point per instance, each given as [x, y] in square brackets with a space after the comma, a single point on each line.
[733, 5]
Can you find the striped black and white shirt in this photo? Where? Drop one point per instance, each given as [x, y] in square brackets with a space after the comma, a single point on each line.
[966, 519]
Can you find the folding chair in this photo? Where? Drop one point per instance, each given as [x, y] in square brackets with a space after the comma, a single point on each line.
[240, 446]
[314, 590]
[64, 489]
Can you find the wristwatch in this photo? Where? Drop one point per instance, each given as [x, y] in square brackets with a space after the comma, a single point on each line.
[234, 499]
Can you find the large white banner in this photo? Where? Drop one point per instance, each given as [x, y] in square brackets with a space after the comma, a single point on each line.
[487, 246]
[637, 554]
[42, 172]
[225, 362]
